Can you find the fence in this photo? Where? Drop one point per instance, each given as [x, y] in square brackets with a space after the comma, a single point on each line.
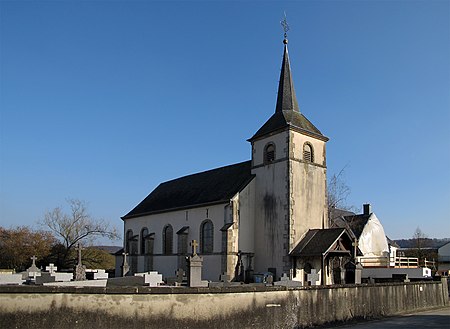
[399, 262]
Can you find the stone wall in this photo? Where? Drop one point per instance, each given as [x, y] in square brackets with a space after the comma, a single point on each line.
[233, 307]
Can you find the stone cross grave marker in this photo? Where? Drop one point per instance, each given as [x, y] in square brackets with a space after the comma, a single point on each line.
[80, 269]
[153, 279]
[33, 271]
[51, 268]
[313, 277]
[125, 266]
[79, 248]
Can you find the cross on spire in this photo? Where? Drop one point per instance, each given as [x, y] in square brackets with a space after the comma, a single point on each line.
[285, 26]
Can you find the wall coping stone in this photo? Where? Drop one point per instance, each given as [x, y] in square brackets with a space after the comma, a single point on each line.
[124, 290]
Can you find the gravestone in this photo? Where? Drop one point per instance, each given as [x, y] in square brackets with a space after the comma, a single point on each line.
[313, 277]
[180, 276]
[224, 277]
[96, 274]
[286, 282]
[32, 272]
[358, 271]
[52, 276]
[125, 281]
[284, 277]
[45, 277]
[153, 279]
[195, 263]
[51, 268]
[125, 266]
[11, 279]
[80, 269]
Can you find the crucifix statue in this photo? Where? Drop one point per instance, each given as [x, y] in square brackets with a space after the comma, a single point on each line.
[194, 245]
[79, 248]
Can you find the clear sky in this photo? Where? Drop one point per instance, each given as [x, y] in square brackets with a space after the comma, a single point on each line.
[103, 100]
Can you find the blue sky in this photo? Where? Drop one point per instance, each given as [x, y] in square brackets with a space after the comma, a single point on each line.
[103, 100]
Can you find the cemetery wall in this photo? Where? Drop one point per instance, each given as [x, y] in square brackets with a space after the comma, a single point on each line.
[232, 307]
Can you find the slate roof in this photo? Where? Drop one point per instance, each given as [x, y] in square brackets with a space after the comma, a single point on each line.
[356, 223]
[317, 242]
[336, 213]
[287, 112]
[212, 186]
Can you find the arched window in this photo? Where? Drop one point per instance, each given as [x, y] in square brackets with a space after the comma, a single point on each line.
[206, 237]
[128, 241]
[167, 240]
[308, 152]
[269, 153]
[144, 244]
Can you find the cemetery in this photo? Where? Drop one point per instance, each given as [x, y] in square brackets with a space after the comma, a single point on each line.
[88, 297]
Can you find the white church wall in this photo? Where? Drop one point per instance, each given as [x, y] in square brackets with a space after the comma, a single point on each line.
[309, 210]
[319, 152]
[309, 206]
[271, 201]
[246, 218]
[211, 270]
[167, 264]
[279, 140]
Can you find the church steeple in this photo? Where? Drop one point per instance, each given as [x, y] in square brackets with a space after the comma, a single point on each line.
[287, 112]
[287, 100]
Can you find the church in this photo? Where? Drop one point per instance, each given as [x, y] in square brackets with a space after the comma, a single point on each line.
[265, 215]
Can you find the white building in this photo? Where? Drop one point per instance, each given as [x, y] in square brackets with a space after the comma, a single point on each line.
[268, 214]
[444, 259]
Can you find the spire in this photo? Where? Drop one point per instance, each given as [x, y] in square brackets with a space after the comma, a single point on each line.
[287, 113]
[287, 100]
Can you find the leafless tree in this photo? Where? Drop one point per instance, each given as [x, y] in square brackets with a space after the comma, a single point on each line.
[337, 193]
[420, 243]
[76, 226]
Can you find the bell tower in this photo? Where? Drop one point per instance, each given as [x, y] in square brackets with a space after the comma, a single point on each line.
[289, 164]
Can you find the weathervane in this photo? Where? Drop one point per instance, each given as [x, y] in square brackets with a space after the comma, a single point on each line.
[285, 26]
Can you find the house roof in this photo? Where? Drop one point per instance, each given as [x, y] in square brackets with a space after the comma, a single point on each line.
[337, 213]
[357, 223]
[287, 112]
[209, 187]
[317, 242]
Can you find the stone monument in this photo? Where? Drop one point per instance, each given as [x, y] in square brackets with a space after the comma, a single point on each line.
[32, 272]
[195, 263]
[80, 269]
[125, 266]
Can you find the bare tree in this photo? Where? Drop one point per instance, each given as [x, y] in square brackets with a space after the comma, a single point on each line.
[76, 226]
[420, 244]
[337, 193]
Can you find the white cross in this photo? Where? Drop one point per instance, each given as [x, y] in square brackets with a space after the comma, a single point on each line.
[51, 268]
[34, 260]
[313, 277]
